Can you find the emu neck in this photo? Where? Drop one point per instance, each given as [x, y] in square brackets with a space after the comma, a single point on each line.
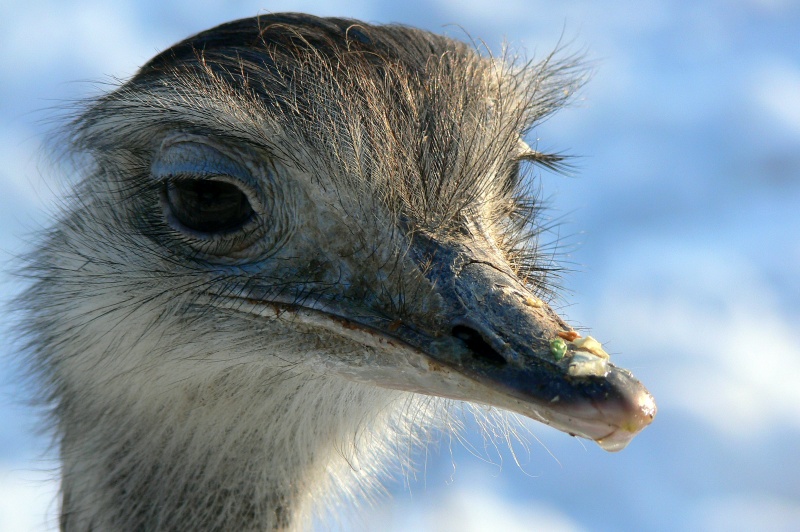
[237, 453]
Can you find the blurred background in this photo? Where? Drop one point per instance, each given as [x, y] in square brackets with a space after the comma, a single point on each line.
[682, 224]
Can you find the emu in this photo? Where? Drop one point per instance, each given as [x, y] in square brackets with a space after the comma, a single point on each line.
[296, 244]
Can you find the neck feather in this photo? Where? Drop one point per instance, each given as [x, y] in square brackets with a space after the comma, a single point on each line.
[227, 455]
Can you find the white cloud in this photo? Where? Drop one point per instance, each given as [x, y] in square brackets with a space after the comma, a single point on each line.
[725, 352]
[472, 510]
[27, 501]
[89, 34]
[746, 512]
[776, 87]
[475, 510]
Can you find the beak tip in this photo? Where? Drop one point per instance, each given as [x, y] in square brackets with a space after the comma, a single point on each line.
[640, 411]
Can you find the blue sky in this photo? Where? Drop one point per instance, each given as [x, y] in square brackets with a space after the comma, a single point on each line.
[682, 223]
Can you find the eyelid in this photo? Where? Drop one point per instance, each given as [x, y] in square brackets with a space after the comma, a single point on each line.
[192, 158]
[187, 156]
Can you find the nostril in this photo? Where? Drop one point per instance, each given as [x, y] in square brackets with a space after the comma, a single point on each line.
[479, 347]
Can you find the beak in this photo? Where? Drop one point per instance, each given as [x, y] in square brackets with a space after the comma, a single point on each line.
[500, 346]
[489, 341]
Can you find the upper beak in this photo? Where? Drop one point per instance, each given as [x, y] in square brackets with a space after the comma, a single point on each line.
[496, 349]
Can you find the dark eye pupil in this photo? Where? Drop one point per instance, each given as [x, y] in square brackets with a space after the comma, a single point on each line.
[208, 206]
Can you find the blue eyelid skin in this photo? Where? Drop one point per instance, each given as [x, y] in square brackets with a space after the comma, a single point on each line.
[192, 158]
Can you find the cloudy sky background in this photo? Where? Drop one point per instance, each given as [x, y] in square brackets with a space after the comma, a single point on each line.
[683, 223]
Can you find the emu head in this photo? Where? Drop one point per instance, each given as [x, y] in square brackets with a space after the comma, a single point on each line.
[325, 199]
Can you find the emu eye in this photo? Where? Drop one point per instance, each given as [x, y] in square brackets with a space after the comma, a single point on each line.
[208, 206]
